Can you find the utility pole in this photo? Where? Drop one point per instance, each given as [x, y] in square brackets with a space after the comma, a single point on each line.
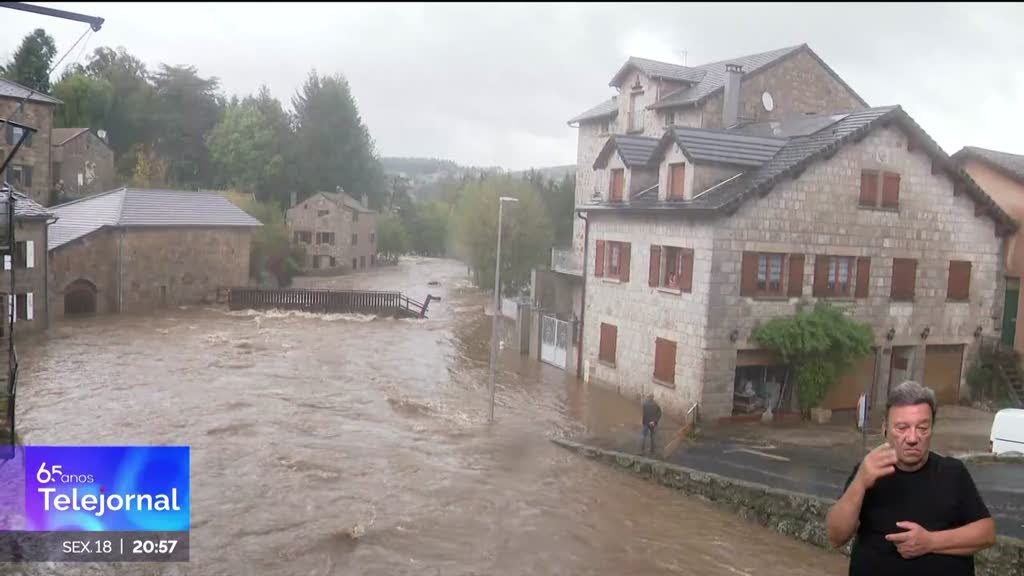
[497, 305]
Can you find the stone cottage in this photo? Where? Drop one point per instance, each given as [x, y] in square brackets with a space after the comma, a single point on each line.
[83, 163]
[135, 250]
[697, 236]
[28, 260]
[30, 171]
[338, 232]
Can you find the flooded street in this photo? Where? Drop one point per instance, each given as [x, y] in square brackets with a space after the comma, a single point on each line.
[307, 430]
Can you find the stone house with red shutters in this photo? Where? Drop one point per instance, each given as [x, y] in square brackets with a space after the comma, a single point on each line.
[697, 236]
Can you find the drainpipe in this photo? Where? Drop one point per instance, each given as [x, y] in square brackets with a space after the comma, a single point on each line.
[120, 270]
[583, 294]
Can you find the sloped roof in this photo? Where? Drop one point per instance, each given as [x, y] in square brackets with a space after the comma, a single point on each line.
[702, 145]
[139, 207]
[656, 69]
[799, 152]
[24, 207]
[9, 89]
[607, 108]
[714, 77]
[635, 151]
[343, 199]
[61, 136]
[1012, 165]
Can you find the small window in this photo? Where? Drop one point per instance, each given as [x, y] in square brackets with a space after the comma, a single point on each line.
[958, 286]
[665, 361]
[322, 212]
[333, 262]
[609, 337]
[671, 267]
[615, 253]
[304, 236]
[19, 175]
[617, 185]
[839, 275]
[677, 180]
[21, 307]
[762, 274]
[373, 237]
[871, 181]
[325, 238]
[904, 278]
[355, 239]
[612, 260]
[14, 134]
[354, 262]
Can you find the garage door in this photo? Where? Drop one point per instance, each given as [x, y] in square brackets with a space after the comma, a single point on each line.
[843, 395]
[942, 365]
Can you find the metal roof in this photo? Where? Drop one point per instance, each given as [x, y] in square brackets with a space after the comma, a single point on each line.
[722, 146]
[9, 89]
[144, 208]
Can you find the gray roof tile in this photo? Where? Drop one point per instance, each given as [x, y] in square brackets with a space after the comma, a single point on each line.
[635, 151]
[24, 207]
[61, 136]
[9, 89]
[144, 207]
[605, 109]
[723, 146]
[656, 69]
[1010, 164]
[343, 199]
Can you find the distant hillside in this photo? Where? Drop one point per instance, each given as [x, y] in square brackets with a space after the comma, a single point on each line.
[425, 176]
[552, 172]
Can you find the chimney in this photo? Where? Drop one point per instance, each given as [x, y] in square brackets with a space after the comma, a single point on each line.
[731, 99]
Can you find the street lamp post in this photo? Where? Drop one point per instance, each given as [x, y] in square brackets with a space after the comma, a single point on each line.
[497, 305]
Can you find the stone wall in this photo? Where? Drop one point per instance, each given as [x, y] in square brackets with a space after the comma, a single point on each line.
[365, 250]
[39, 116]
[92, 258]
[86, 166]
[27, 280]
[590, 140]
[800, 516]
[304, 217]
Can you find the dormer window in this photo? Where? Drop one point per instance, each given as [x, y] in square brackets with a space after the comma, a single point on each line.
[636, 83]
[617, 185]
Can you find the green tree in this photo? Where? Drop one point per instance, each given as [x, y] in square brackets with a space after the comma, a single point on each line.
[273, 260]
[428, 229]
[392, 239]
[87, 101]
[188, 107]
[335, 148]
[560, 201]
[526, 241]
[819, 345]
[31, 62]
[250, 147]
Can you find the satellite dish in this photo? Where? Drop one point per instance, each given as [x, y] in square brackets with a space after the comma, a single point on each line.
[767, 101]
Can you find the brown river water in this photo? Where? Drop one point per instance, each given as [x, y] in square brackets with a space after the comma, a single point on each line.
[340, 444]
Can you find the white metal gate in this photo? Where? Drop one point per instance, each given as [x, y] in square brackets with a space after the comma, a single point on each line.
[554, 341]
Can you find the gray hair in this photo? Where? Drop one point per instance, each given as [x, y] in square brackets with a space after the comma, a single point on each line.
[911, 393]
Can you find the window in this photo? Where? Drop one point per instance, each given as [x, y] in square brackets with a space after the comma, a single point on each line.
[676, 179]
[355, 239]
[14, 134]
[958, 286]
[635, 113]
[304, 236]
[24, 255]
[612, 260]
[333, 262]
[904, 278]
[665, 361]
[362, 261]
[617, 184]
[671, 267]
[603, 127]
[670, 118]
[325, 238]
[355, 216]
[762, 274]
[354, 262]
[373, 237]
[871, 181]
[322, 212]
[373, 260]
[19, 175]
[606, 350]
[841, 276]
[316, 262]
[23, 306]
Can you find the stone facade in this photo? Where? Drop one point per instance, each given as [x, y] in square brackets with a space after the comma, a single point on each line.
[145, 268]
[83, 165]
[38, 115]
[817, 213]
[30, 277]
[354, 229]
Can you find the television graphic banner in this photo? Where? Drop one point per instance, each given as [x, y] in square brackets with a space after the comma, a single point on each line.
[95, 504]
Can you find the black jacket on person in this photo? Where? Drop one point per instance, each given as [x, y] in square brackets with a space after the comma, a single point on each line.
[652, 412]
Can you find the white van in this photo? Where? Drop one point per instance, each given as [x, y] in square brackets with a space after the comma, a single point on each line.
[1008, 432]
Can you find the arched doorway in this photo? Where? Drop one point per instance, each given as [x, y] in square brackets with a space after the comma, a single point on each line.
[80, 298]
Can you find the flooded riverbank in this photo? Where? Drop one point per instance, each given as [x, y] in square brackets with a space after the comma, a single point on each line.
[343, 444]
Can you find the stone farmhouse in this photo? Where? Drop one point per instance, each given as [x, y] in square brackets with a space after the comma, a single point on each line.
[338, 232]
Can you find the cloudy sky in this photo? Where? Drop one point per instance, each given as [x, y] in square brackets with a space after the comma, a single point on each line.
[495, 84]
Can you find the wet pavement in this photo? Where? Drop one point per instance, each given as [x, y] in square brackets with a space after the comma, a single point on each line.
[343, 444]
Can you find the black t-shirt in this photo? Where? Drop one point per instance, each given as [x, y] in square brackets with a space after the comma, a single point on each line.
[939, 496]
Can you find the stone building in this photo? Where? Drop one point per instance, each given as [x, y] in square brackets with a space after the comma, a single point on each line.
[135, 250]
[1001, 176]
[651, 96]
[29, 172]
[28, 258]
[741, 225]
[338, 232]
[83, 163]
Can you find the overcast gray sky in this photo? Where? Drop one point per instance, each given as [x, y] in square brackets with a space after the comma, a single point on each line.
[495, 84]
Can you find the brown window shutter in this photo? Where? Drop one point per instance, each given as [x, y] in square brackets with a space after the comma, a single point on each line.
[868, 188]
[748, 274]
[618, 184]
[820, 275]
[624, 262]
[959, 285]
[677, 180]
[904, 278]
[654, 275]
[863, 278]
[686, 272]
[665, 360]
[796, 276]
[606, 352]
[599, 259]
[891, 190]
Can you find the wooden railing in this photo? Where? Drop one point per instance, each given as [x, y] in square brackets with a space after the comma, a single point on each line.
[317, 300]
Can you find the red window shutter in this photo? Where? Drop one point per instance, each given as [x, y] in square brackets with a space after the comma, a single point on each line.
[665, 361]
[624, 258]
[654, 274]
[959, 284]
[820, 287]
[863, 278]
[686, 272]
[904, 278]
[599, 259]
[796, 276]
[748, 274]
[606, 352]
[891, 190]
[677, 180]
[868, 188]
[618, 184]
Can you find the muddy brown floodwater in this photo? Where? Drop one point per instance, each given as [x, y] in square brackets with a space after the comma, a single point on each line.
[309, 429]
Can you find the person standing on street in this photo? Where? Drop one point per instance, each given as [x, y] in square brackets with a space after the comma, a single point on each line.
[651, 415]
[913, 512]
